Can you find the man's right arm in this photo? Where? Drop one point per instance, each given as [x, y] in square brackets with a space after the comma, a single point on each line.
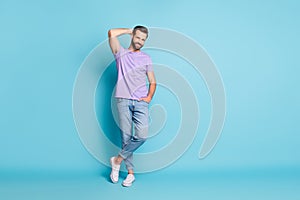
[113, 38]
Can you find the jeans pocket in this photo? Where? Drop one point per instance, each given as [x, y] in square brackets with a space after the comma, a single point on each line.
[119, 100]
[145, 102]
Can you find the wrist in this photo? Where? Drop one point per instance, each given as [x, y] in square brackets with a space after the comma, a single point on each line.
[149, 98]
[129, 31]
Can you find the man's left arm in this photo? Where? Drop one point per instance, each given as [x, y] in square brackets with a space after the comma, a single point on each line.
[152, 87]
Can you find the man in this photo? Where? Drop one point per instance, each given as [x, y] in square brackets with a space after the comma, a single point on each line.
[132, 95]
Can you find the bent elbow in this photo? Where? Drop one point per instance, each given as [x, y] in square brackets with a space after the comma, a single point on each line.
[109, 33]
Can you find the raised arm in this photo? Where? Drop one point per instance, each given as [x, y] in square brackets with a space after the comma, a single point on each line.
[113, 38]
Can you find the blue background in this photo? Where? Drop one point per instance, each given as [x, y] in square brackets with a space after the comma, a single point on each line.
[254, 44]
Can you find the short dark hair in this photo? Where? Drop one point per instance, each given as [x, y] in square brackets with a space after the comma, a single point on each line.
[140, 28]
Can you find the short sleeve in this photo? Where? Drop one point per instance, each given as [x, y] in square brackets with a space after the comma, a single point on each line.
[117, 55]
[149, 67]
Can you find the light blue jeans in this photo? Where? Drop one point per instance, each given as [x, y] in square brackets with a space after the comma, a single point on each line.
[133, 122]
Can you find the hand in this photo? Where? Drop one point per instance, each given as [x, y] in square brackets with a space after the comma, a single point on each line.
[129, 31]
[146, 99]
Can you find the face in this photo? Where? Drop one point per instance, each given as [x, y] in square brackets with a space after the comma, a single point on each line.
[138, 40]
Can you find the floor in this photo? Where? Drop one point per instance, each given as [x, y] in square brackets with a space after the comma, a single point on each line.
[231, 185]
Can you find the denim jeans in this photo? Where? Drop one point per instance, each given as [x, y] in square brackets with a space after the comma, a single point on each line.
[133, 122]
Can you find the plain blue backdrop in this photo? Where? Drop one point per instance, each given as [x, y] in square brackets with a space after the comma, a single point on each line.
[254, 45]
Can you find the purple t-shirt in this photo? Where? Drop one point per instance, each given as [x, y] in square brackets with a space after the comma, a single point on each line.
[132, 73]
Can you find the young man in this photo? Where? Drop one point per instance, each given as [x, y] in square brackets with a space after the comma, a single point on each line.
[132, 95]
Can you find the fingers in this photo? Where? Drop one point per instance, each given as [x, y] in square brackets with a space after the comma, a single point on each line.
[145, 99]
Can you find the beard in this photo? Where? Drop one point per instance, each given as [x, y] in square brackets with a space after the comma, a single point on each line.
[136, 45]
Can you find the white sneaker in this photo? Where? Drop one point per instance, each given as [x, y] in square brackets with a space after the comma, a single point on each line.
[114, 175]
[129, 180]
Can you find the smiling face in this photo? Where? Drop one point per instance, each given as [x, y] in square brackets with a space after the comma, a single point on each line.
[138, 40]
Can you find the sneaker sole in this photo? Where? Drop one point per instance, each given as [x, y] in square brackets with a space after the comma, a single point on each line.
[127, 185]
[113, 180]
